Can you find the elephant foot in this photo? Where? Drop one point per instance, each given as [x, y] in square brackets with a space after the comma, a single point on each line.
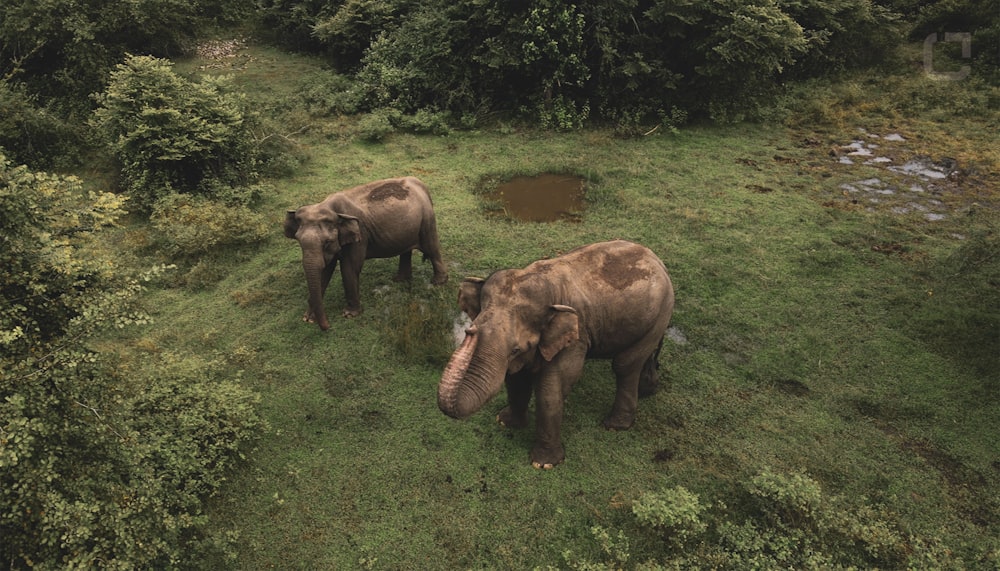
[352, 312]
[508, 419]
[547, 458]
[619, 422]
[402, 277]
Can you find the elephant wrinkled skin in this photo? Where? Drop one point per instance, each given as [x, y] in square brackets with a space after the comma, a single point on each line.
[381, 219]
[532, 329]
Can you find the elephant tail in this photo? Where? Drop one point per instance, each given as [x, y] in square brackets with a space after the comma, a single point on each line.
[649, 379]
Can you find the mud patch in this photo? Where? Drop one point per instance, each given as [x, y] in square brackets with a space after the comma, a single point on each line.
[905, 183]
[541, 198]
[621, 271]
[387, 191]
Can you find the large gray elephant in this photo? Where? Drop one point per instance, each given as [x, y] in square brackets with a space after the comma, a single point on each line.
[533, 328]
[381, 219]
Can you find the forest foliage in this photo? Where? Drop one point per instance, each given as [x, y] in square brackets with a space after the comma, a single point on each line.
[99, 466]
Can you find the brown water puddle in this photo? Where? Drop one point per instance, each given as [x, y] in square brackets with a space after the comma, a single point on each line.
[542, 198]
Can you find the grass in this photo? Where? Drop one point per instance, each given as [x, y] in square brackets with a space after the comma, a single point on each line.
[813, 346]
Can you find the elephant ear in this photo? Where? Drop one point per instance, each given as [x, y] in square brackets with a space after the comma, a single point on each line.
[348, 229]
[291, 224]
[562, 329]
[469, 296]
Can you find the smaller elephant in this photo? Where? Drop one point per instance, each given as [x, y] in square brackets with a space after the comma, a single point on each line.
[533, 328]
[380, 219]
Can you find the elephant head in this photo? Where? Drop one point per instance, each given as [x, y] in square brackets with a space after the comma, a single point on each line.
[512, 328]
[321, 233]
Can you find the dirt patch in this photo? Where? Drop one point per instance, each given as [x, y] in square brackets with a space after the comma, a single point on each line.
[223, 54]
[621, 271]
[388, 191]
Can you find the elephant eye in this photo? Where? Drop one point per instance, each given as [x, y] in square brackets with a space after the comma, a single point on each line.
[515, 350]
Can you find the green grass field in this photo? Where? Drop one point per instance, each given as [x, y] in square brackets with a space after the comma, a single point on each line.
[820, 333]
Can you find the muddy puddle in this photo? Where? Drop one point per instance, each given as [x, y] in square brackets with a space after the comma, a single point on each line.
[905, 184]
[541, 198]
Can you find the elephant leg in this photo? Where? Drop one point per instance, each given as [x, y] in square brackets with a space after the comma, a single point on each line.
[554, 383]
[627, 366]
[515, 414]
[324, 281]
[405, 271]
[431, 248]
[351, 276]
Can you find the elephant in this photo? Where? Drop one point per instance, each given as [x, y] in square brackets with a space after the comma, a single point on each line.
[380, 219]
[533, 328]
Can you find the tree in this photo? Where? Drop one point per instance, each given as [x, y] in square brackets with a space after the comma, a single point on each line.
[173, 135]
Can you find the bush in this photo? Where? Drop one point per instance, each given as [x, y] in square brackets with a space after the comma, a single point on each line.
[188, 226]
[97, 468]
[33, 134]
[325, 94]
[795, 525]
[171, 135]
[676, 512]
[46, 225]
[559, 63]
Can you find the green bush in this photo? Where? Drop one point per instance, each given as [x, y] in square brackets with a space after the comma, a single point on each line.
[33, 134]
[46, 224]
[99, 468]
[172, 135]
[795, 525]
[676, 512]
[189, 226]
[326, 94]
[348, 29]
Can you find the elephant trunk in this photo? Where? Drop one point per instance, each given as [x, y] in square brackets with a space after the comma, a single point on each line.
[466, 383]
[313, 264]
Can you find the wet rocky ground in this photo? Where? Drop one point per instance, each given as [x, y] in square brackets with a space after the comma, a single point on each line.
[892, 177]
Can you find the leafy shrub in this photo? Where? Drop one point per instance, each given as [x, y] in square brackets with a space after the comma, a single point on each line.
[377, 125]
[325, 94]
[172, 135]
[793, 525]
[676, 512]
[45, 223]
[348, 29]
[291, 22]
[97, 468]
[33, 134]
[190, 226]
